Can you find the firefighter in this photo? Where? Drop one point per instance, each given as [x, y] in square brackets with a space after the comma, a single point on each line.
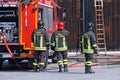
[40, 41]
[88, 46]
[58, 44]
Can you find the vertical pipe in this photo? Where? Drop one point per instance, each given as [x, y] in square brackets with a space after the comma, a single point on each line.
[83, 14]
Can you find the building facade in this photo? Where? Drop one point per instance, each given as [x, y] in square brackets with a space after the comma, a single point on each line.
[79, 12]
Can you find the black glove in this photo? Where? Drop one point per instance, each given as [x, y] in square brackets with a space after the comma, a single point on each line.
[53, 48]
[96, 51]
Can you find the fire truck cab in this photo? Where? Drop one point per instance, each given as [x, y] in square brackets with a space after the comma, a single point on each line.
[18, 19]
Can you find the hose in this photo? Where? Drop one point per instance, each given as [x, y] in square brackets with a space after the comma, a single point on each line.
[10, 52]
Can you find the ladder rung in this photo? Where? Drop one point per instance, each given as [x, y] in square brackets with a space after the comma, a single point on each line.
[100, 33]
[101, 43]
[100, 29]
[99, 24]
[101, 38]
[99, 14]
[99, 5]
[98, 0]
[101, 48]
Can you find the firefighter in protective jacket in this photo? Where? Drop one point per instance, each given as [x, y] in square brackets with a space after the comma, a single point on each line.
[40, 41]
[59, 45]
[88, 46]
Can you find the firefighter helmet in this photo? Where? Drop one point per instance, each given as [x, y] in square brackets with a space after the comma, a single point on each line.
[90, 25]
[40, 24]
[60, 25]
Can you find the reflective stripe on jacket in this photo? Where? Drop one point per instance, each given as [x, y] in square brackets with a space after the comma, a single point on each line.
[60, 42]
[40, 39]
[88, 42]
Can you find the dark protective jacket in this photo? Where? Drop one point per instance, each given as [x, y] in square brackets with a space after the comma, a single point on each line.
[40, 39]
[58, 40]
[88, 42]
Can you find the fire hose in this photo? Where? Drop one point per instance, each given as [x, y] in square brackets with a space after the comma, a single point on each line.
[10, 52]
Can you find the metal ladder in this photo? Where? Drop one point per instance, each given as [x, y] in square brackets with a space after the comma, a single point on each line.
[100, 31]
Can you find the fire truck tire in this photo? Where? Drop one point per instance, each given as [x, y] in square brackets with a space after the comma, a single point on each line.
[1, 64]
[12, 62]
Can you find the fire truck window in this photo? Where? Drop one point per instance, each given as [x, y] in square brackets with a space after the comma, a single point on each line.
[48, 17]
[40, 13]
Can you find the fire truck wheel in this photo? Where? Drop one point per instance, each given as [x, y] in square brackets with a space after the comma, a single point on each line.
[12, 62]
[1, 64]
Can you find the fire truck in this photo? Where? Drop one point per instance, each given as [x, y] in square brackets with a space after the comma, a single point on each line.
[18, 19]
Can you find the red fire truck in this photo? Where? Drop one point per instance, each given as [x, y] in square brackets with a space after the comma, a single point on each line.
[18, 19]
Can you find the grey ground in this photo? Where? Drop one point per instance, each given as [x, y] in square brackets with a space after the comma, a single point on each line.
[106, 68]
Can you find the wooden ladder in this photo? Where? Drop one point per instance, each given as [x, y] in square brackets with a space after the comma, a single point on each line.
[100, 31]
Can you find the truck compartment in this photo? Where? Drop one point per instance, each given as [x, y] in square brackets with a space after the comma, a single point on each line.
[9, 24]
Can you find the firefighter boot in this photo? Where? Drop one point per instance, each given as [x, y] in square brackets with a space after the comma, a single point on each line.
[88, 70]
[35, 66]
[65, 68]
[41, 68]
[60, 68]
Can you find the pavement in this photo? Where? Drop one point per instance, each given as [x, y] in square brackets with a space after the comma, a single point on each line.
[76, 72]
[106, 67]
[109, 57]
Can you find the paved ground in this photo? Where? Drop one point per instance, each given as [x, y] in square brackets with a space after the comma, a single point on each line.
[106, 68]
[108, 58]
[76, 72]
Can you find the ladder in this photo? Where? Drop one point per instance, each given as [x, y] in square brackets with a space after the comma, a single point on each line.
[100, 31]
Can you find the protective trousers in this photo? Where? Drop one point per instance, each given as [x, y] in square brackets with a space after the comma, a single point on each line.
[88, 63]
[40, 59]
[62, 60]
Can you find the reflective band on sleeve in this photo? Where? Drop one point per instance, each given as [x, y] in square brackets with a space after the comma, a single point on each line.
[94, 45]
